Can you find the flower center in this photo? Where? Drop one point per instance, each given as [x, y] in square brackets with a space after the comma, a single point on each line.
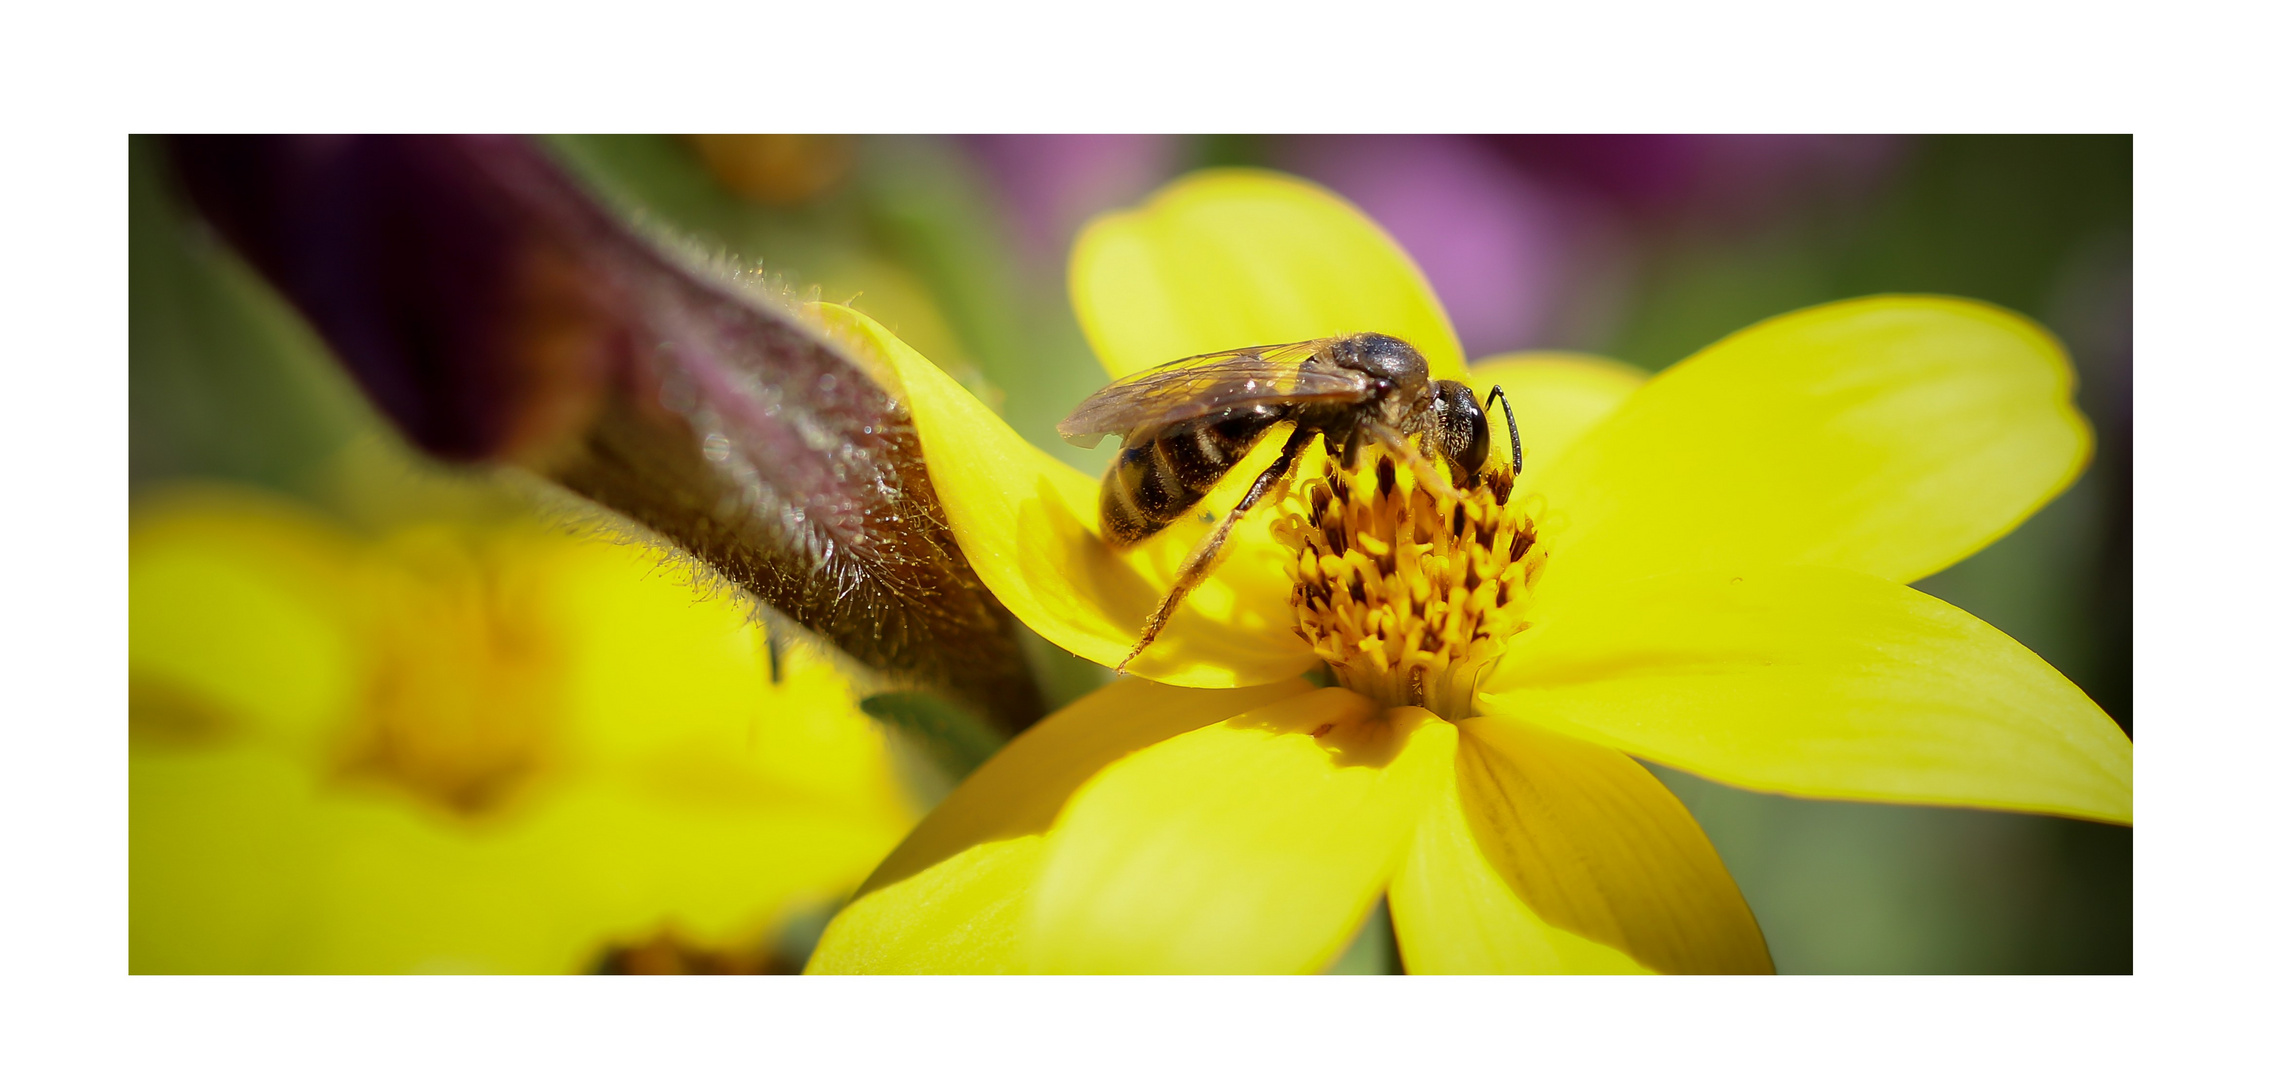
[1409, 597]
[466, 684]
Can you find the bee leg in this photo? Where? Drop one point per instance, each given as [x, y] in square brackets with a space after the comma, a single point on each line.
[1397, 444]
[1513, 425]
[1198, 565]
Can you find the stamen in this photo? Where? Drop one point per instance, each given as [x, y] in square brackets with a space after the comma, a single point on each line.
[1409, 597]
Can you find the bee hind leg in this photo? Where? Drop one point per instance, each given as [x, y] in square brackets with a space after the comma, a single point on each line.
[1198, 565]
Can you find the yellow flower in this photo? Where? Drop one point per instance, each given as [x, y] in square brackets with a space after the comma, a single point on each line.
[467, 746]
[1706, 569]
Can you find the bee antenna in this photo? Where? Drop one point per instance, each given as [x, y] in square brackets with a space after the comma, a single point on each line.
[1495, 393]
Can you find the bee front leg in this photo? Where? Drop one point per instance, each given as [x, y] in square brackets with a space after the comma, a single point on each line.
[1397, 445]
[1349, 452]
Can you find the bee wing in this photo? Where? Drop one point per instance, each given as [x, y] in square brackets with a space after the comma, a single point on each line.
[1201, 385]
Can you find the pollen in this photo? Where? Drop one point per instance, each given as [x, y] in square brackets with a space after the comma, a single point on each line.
[1409, 597]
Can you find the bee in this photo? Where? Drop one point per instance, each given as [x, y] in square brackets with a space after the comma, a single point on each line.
[1186, 423]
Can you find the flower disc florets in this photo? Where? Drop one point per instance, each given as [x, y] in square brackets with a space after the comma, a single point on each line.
[1409, 597]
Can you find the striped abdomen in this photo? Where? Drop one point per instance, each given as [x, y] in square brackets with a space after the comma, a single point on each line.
[1164, 472]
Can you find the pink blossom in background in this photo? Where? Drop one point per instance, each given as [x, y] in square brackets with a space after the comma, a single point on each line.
[1733, 178]
[1510, 256]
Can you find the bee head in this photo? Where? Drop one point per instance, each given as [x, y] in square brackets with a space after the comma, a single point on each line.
[1463, 432]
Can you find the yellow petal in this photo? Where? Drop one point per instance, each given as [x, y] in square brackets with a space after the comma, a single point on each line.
[245, 860]
[1555, 398]
[1823, 683]
[1253, 845]
[238, 618]
[1227, 258]
[1456, 915]
[953, 896]
[1892, 435]
[1030, 526]
[1595, 845]
[959, 916]
[679, 697]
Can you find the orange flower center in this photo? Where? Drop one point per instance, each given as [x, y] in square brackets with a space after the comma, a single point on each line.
[465, 687]
[1409, 597]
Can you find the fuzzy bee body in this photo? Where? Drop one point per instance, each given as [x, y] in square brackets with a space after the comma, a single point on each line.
[1187, 423]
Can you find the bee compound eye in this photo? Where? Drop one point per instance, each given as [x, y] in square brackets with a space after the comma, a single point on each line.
[1463, 426]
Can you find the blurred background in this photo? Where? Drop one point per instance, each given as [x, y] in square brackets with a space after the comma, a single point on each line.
[246, 436]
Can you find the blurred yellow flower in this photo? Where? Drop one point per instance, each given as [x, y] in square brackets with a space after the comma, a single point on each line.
[1705, 569]
[469, 746]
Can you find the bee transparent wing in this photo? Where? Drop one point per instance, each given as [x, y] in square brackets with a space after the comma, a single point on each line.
[1201, 385]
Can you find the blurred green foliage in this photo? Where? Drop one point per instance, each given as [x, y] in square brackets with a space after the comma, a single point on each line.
[223, 380]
